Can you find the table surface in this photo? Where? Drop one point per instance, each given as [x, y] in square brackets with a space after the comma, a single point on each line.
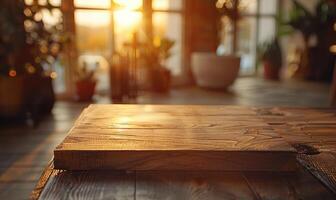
[310, 131]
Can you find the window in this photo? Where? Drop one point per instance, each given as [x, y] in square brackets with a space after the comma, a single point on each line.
[93, 31]
[247, 44]
[93, 38]
[167, 23]
[104, 26]
[167, 5]
[96, 4]
[257, 25]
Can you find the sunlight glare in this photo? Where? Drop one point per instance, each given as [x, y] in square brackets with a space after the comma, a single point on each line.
[127, 20]
[129, 4]
[91, 18]
[161, 4]
[93, 4]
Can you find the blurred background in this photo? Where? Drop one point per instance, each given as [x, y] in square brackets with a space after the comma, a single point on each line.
[57, 57]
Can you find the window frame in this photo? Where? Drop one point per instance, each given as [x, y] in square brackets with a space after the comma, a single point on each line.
[258, 16]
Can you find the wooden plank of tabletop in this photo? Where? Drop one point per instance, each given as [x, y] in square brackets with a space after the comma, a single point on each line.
[178, 185]
[89, 185]
[166, 117]
[313, 130]
[148, 137]
[322, 166]
[303, 126]
[42, 181]
[299, 185]
[191, 185]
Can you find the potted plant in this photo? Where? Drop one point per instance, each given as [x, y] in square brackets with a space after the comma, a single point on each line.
[214, 72]
[271, 57]
[12, 37]
[154, 56]
[317, 60]
[86, 83]
[42, 48]
[211, 70]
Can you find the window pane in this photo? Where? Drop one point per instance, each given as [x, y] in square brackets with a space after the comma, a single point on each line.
[93, 4]
[169, 25]
[59, 81]
[247, 44]
[167, 4]
[93, 30]
[94, 43]
[248, 6]
[126, 22]
[266, 29]
[268, 7]
[226, 46]
[128, 4]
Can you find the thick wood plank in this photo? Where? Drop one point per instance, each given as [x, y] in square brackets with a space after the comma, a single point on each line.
[146, 137]
[181, 160]
[308, 126]
[313, 128]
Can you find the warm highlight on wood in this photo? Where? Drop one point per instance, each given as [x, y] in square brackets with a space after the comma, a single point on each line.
[156, 137]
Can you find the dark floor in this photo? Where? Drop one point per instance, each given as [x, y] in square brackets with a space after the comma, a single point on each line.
[24, 151]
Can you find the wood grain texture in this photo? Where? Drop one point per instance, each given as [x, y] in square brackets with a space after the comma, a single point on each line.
[299, 185]
[42, 181]
[148, 137]
[314, 128]
[83, 185]
[191, 185]
[181, 185]
[322, 166]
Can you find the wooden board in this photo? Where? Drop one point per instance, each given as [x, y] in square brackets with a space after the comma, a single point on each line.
[148, 137]
[313, 129]
[308, 126]
[179, 185]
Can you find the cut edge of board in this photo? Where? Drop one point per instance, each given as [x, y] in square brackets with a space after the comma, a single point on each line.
[176, 160]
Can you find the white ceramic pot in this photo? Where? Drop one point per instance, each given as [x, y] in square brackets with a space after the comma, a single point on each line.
[215, 72]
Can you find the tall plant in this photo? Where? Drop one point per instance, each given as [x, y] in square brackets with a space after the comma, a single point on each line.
[12, 34]
[157, 52]
[27, 44]
[230, 9]
[318, 24]
[270, 52]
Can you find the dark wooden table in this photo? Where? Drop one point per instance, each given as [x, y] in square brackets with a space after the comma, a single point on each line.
[312, 132]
